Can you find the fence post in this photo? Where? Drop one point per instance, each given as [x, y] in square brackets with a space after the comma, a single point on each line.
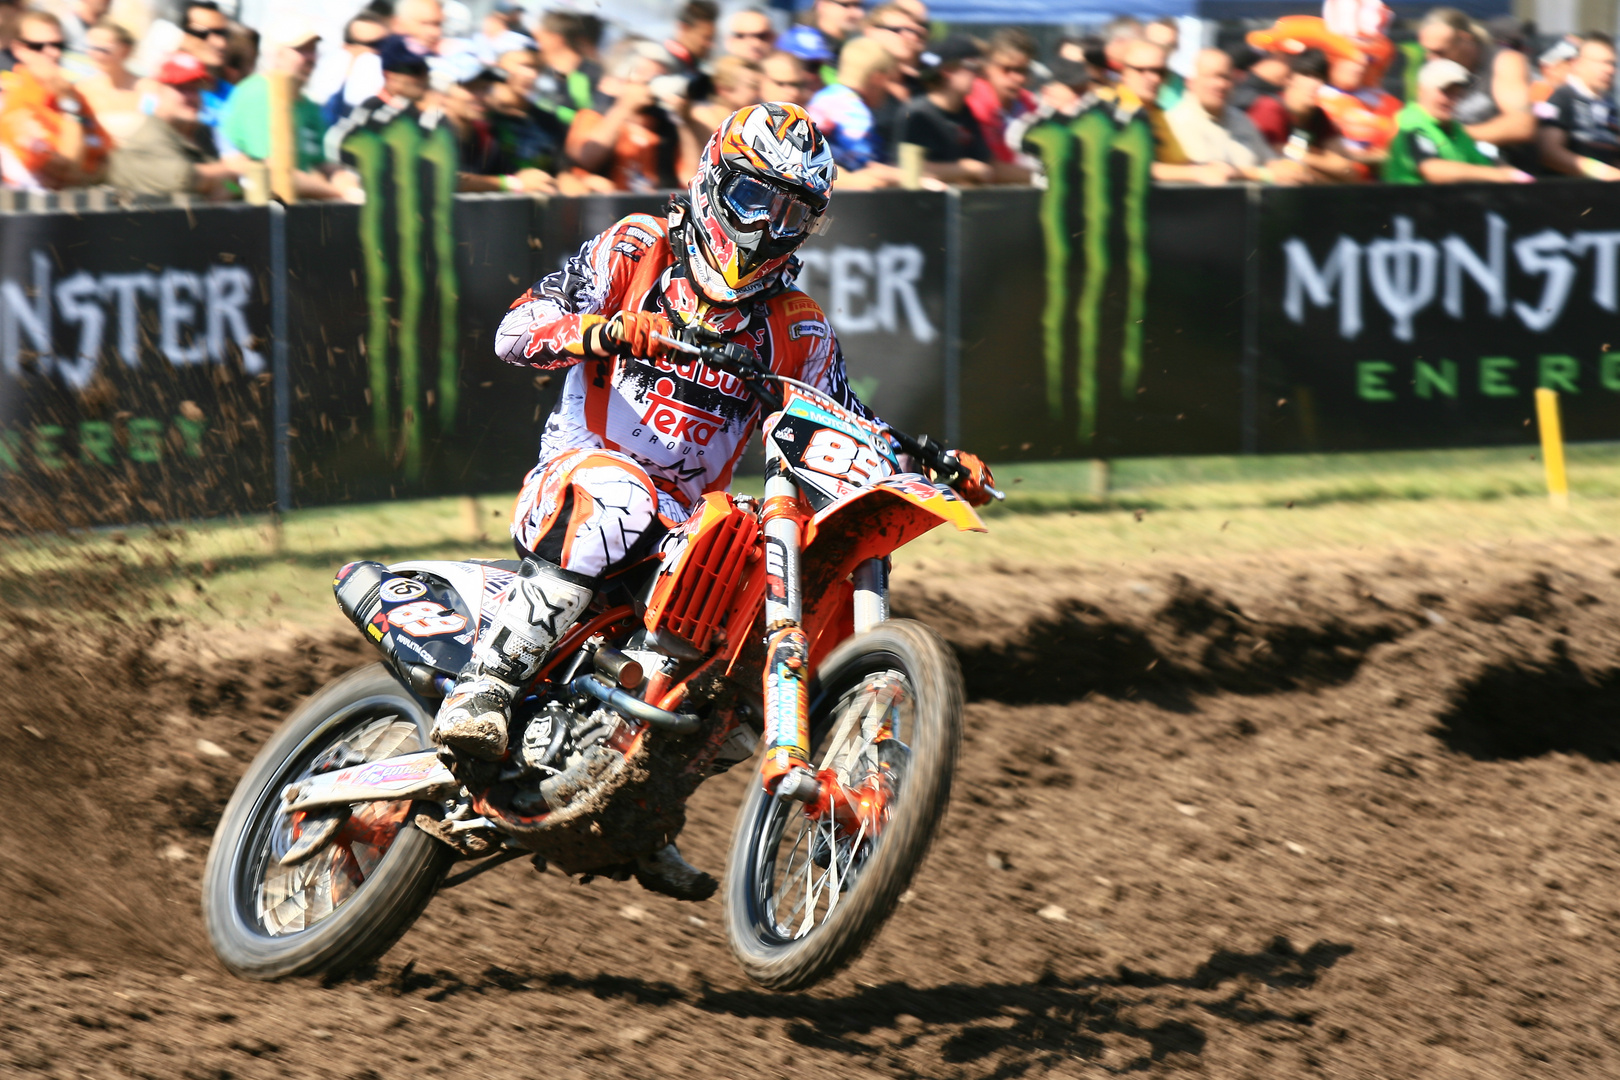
[283, 145]
[953, 316]
[1249, 368]
[1552, 447]
[280, 375]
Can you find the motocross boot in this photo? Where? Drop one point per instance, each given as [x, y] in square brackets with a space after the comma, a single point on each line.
[540, 606]
[666, 872]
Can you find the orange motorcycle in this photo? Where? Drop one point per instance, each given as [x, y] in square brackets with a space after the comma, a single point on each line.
[759, 627]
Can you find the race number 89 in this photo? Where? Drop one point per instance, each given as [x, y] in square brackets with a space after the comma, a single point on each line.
[426, 618]
[836, 454]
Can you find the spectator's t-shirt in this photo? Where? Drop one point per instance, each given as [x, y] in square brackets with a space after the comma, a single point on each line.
[1288, 136]
[532, 138]
[157, 160]
[945, 136]
[1588, 121]
[567, 94]
[246, 124]
[849, 126]
[993, 119]
[644, 157]
[1419, 137]
[1251, 90]
[1231, 139]
[33, 126]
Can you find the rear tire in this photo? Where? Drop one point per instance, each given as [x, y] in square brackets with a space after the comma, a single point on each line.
[797, 959]
[366, 923]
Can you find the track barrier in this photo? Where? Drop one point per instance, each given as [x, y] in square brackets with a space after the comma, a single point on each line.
[182, 361]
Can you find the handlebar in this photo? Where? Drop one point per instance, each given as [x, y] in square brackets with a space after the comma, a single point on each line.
[729, 356]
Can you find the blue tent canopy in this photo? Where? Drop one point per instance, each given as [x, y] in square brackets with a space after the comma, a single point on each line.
[1084, 12]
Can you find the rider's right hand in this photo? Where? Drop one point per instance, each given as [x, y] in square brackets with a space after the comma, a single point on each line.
[636, 334]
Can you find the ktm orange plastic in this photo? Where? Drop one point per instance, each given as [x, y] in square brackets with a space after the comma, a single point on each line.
[694, 597]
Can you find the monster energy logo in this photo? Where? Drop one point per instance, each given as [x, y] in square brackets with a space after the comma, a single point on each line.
[1078, 204]
[390, 161]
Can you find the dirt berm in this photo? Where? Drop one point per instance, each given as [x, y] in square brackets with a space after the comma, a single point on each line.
[1348, 816]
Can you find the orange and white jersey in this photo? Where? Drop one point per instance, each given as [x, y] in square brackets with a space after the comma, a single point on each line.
[684, 423]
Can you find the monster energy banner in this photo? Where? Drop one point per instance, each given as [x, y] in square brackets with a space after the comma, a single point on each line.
[1392, 318]
[134, 370]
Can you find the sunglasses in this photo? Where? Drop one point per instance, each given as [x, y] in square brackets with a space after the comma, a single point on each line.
[1159, 71]
[98, 50]
[1024, 71]
[218, 31]
[848, 3]
[41, 46]
[762, 35]
[902, 28]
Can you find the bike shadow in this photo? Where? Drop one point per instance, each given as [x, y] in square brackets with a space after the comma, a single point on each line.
[1052, 1017]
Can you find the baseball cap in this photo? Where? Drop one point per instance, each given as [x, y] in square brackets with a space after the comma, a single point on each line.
[182, 69]
[806, 43]
[1439, 74]
[1070, 73]
[291, 31]
[956, 49]
[397, 56]
[462, 68]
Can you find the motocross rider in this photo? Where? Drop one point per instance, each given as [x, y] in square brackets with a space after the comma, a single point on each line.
[638, 436]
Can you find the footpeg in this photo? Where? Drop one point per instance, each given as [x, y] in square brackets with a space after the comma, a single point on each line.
[470, 836]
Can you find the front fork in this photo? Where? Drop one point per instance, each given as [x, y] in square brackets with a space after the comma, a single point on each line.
[787, 770]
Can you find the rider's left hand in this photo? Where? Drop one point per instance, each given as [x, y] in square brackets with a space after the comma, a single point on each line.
[975, 480]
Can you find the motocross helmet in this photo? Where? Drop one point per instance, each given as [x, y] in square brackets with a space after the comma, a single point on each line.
[762, 185]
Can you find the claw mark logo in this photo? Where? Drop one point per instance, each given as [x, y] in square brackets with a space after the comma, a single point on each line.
[1093, 164]
[394, 161]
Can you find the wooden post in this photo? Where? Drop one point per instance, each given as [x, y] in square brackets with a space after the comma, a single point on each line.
[1099, 477]
[283, 137]
[911, 166]
[1552, 447]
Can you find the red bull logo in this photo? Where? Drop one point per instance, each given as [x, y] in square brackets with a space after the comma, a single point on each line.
[696, 372]
[677, 419]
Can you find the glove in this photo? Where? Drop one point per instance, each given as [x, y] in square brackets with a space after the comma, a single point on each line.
[977, 477]
[633, 332]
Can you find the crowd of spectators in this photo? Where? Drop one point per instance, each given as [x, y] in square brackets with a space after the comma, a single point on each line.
[565, 103]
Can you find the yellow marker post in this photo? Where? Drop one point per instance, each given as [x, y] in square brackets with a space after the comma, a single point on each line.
[1552, 447]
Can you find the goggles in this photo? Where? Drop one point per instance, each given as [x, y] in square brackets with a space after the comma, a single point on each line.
[756, 205]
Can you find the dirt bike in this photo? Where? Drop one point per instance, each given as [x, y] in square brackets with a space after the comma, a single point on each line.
[757, 622]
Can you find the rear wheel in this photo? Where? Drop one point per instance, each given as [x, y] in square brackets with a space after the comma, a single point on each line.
[808, 886]
[371, 872]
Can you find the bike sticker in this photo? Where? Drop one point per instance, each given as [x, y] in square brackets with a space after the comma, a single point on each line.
[426, 618]
[398, 590]
[775, 570]
[835, 454]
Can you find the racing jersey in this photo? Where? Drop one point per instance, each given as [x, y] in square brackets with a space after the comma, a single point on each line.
[686, 424]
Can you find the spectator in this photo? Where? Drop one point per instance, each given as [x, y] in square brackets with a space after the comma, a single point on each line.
[241, 54]
[1495, 106]
[694, 38]
[338, 92]
[405, 85]
[463, 83]
[1090, 50]
[118, 99]
[1297, 127]
[736, 84]
[637, 143]
[568, 78]
[501, 32]
[49, 137]
[1211, 131]
[916, 9]
[783, 78]
[78, 16]
[834, 22]
[1430, 145]
[1000, 95]
[749, 35]
[954, 148]
[171, 152]
[1064, 96]
[244, 132]
[526, 135]
[206, 36]
[421, 24]
[812, 51]
[1165, 32]
[845, 113]
[1142, 70]
[1579, 135]
[1553, 65]
[1353, 98]
[1118, 34]
[891, 26]
[10, 13]
[1266, 65]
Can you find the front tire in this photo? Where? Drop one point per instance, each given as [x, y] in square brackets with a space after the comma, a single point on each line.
[348, 903]
[884, 704]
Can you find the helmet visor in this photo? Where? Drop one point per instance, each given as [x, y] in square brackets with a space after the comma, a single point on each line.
[757, 205]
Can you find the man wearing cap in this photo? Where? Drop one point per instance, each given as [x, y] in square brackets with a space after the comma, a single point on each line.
[49, 137]
[809, 46]
[1580, 134]
[404, 85]
[833, 22]
[172, 152]
[1066, 95]
[1430, 146]
[463, 83]
[954, 147]
[501, 33]
[244, 131]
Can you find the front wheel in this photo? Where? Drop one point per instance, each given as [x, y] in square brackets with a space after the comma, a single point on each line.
[371, 872]
[807, 886]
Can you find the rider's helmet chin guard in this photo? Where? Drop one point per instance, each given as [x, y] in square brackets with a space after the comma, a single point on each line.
[761, 187]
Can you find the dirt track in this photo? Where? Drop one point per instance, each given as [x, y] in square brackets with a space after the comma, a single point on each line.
[1346, 816]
